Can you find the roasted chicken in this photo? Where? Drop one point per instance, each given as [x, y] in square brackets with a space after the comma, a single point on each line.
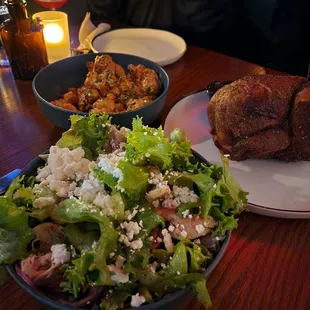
[107, 88]
[262, 116]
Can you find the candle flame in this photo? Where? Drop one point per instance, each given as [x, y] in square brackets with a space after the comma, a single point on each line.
[53, 33]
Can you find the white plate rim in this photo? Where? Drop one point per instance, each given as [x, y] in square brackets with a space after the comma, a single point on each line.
[255, 208]
[161, 62]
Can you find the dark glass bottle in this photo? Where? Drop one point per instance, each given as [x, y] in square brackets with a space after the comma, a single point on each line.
[4, 16]
[23, 41]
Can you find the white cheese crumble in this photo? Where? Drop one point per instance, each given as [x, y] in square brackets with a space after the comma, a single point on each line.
[119, 276]
[136, 244]
[43, 202]
[184, 233]
[106, 203]
[63, 166]
[132, 229]
[185, 213]
[108, 163]
[60, 254]
[167, 241]
[137, 300]
[171, 228]
[200, 228]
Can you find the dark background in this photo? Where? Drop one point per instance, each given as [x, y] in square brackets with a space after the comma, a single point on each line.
[271, 33]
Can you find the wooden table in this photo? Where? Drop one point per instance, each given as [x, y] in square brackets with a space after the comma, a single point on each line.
[267, 263]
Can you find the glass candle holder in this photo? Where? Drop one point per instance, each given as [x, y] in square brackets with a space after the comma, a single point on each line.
[56, 34]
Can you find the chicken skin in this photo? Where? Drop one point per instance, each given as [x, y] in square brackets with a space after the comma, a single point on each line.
[251, 117]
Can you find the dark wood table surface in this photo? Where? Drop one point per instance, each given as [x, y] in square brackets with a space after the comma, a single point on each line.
[267, 263]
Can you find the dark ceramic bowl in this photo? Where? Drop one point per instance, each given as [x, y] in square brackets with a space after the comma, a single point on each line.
[55, 79]
[171, 302]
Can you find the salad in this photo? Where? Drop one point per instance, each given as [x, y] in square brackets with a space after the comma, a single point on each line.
[118, 218]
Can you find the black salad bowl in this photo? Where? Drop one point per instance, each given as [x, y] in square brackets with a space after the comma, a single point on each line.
[56, 78]
[170, 302]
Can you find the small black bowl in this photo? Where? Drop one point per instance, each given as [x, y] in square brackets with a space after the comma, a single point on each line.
[55, 79]
[170, 302]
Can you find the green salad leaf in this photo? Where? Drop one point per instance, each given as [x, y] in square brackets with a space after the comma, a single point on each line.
[197, 258]
[228, 223]
[134, 181]
[105, 178]
[148, 144]
[238, 195]
[149, 221]
[80, 237]
[91, 267]
[201, 292]
[15, 234]
[89, 132]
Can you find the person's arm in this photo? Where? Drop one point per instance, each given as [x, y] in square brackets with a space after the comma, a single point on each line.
[104, 8]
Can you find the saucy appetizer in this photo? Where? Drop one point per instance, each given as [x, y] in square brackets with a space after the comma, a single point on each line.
[118, 218]
[262, 116]
[108, 89]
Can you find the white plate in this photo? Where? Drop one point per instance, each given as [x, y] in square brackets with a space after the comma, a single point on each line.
[160, 46]
[275, 188]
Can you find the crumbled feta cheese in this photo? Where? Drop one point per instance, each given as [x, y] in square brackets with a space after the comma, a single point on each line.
[112, 254]
[200, 228]
[197, 241]
[171, 228]
[137, 300]
[185, 213]
[147, 155]
[132, 214]
[119, 276]
[43, 202]
[153, 267]
[170, 203]
[106, 203]
[163, 265]
[108, 163]
[60, 254]
[89, 190]
[63, 165]
[159, 240]
[184, 194]
[136, 244]
[184, 233]
[167, 241]
[178, 273]
[132, 229]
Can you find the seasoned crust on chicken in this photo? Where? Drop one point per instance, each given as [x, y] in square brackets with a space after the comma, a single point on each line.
[107, 88]
[301, 122]
[249, 118]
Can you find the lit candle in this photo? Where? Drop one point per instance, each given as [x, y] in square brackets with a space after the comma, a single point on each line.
[56, 34]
